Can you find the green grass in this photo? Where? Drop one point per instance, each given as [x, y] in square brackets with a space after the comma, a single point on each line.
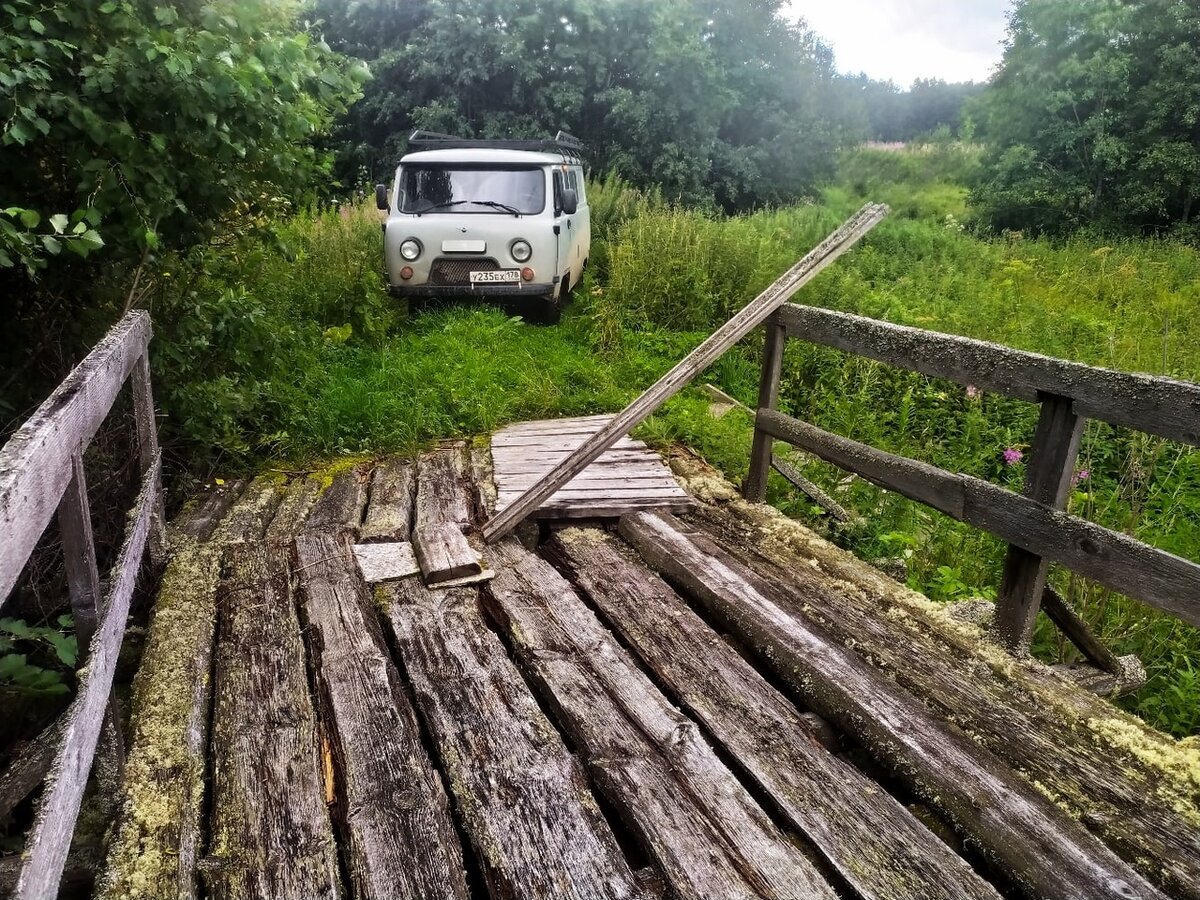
[288, 348]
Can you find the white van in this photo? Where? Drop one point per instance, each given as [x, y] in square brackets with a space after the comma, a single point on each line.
[505, 219]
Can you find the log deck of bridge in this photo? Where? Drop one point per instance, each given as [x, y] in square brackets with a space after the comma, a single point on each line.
[714, 704]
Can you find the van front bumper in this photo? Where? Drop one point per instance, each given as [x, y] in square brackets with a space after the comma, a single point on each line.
[531, 289]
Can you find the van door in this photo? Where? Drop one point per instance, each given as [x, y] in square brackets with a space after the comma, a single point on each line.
[564, 228]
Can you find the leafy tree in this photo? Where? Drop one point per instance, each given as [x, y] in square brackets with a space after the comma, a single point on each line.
[712, 102]
[148, 122]
[894, 114]
[1094, 117]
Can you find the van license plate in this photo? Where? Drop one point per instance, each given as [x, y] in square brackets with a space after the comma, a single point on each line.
[497, 276]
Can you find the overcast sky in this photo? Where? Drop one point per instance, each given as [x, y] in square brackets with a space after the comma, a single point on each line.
[957, 40]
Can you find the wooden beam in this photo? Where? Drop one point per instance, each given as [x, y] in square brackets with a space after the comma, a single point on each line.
[1155, 577]
[48, 842]
[707, 835]
[711, 349]
[388, 518]
[1078, 633]
[1048, 481]
[79, 555]
[523, 798]
[1033, 840]
[1150, 403]
[814, 493]
[755, 487]
[444, 554]
[35, 464]
[146, 422]
[873, 842]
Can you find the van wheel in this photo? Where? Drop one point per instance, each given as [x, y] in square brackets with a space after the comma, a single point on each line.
[543, 311]
[565, 290]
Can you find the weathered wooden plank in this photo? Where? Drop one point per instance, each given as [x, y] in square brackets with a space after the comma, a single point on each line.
[755, 487]
[202, 516]
[573, 509]
[342, 498]
[1048, 481]
[1077, 631]
[442, 489]
[271, 835]
[29, 767]
[1149, 403]
[1161, 579]
[522, 797]
[386, 562]
[1129, 784]
[390, 509]
[712, 348]
[444, 554]
[35, 464]
[79, 554]
[518, 455]
[49, 841]
[398, 839]
[581, 423]
[600, 494]
[706, 834]
[646, 476]
[154, 851]
[814, 493]
[1022, 831]
[874, 843]
[146, 423]
[555, 442]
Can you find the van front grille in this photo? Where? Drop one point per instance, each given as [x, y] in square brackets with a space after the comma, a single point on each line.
[455, 272]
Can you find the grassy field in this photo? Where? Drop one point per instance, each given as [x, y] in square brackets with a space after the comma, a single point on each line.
[288, 348]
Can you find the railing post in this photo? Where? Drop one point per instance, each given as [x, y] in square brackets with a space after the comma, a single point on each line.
[147, 437]
[1048, 481]
[79, 555]
[755, 487]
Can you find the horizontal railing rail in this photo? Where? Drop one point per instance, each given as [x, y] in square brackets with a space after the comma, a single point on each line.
[41, 474]
[1034, 522]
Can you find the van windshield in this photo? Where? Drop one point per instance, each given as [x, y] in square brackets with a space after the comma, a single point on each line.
[472, 189]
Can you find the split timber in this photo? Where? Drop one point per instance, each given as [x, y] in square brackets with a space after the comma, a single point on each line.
[715, 704]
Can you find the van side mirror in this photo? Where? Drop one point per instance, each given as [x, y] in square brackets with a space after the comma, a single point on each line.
[569, 201]
[381, 197]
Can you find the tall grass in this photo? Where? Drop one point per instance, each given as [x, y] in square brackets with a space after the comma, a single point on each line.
[285, 345]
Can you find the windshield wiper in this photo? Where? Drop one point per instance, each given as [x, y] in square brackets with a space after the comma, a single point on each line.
[492, 203]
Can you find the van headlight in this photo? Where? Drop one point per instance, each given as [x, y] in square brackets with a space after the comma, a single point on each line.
[410, 249]
[520, 250]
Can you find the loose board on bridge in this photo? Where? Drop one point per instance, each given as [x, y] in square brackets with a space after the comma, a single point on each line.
[629, 476]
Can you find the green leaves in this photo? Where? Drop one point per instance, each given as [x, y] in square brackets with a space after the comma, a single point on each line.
[22, 669]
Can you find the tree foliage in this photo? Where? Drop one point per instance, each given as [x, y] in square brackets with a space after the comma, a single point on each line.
[895, 114]
[1094, 118]
[711, 101]
[134, 124]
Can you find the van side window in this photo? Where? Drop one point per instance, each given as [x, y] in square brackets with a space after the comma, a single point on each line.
[579, 189]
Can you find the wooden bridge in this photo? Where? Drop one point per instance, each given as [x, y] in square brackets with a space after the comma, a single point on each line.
[545, 665]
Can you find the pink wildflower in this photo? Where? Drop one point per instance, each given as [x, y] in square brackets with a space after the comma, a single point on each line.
[1082, 475]
[973, 393]
[1012, 456]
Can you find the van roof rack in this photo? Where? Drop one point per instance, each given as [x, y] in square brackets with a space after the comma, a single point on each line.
[568, 145]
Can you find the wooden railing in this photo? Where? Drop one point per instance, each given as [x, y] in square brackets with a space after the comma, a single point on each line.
[1033, 522]
[41, 473]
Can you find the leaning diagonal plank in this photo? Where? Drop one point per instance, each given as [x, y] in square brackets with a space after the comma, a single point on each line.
[399, 839]
[707, 835]
[881, 850]
[155, 850]
[1134, 787]
[271, 833]
[523, 797]
[746, 320]
[1047, 852]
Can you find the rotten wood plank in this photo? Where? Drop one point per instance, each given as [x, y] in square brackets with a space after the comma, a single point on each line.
[202, 516]
[523, 798]
[79, 555]
[1129, 783]
[1149, 403]
[696, 821]
[1019, 828]
[146, 423]
[1078, 633]
[1048, 481]
[442, 489]
[711, 349]
[50, 839]
[444, 554]
[155, 849]
[35, 463]
[390, 509]
[342, 498]
[873, 842]
[398, 839]
[1155, 577]
[271, 834]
